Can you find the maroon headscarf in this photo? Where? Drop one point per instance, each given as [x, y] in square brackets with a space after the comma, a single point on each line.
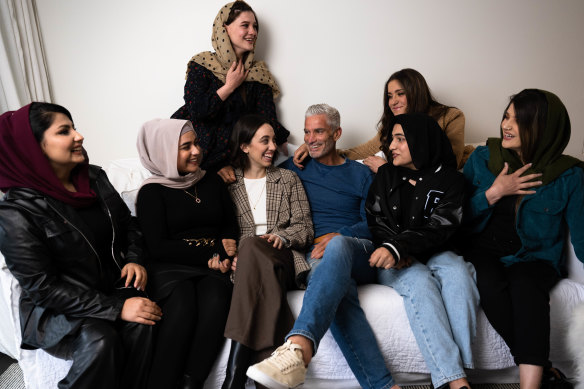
[23, 163]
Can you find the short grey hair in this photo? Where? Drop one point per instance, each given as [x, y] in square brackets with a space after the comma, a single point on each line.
[333, 117]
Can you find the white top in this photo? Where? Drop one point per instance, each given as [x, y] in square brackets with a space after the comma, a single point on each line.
[256, 194]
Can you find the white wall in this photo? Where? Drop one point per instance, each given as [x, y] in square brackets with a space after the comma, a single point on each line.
[117, 63]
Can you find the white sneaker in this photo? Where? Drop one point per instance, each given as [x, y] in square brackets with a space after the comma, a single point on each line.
[282, 370]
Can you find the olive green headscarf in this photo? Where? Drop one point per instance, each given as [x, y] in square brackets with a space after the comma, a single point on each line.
[548, 158]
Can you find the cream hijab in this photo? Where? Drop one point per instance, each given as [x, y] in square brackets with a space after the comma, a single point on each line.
[158, 151]
[220, 61]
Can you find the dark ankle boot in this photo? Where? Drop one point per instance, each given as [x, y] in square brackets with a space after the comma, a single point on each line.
[239, 361]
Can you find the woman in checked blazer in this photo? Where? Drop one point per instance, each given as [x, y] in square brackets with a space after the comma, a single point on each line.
[275, 230]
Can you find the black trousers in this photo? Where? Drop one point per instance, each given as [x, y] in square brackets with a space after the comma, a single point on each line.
[516, 302]
[106, 355]
[190, 334]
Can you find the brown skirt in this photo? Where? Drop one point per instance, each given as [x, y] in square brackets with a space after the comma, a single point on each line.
[259, 316]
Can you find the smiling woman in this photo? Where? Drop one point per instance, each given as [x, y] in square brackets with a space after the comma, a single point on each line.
[226, 84]
[69, 240]
[189, 226]
[524, 195]
[275, 228]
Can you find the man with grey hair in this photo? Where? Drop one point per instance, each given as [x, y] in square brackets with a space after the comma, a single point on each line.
[337, 189]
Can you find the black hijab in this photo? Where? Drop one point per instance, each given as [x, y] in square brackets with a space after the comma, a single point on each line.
[428, 144]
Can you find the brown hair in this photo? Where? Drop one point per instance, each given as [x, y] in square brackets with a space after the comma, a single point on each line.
[243, 132]
[236, 9]
[420, 99]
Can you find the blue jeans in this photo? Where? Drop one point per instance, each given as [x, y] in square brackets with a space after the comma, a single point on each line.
[441, 301]
[331, 300]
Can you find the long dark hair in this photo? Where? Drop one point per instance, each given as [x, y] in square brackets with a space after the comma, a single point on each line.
[531, 108]
[420, 99]
[42, 116]
[243, 132]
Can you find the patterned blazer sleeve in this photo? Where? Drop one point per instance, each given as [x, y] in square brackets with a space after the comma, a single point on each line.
[294, 221]
[242, 208]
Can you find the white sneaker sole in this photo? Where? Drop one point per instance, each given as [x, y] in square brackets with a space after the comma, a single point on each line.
[267, 381]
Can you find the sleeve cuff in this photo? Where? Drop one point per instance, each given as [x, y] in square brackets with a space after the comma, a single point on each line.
[393, 250]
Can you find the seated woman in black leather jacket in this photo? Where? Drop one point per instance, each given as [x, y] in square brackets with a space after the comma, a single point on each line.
[71, 243]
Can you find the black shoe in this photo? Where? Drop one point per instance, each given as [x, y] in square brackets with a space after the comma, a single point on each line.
[555, 379]
[239, 361]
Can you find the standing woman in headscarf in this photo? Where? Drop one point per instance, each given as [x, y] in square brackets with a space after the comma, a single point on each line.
[414, 207]
[189, 225]
[70, 241]
[226, 84]
[524, 196]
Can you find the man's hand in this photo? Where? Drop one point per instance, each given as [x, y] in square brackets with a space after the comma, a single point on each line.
[141, 310]
[300, 155]
[133, 271]
[318, 250]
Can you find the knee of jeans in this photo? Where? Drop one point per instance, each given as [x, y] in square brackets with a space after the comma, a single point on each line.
[339, 245]
[445, 258]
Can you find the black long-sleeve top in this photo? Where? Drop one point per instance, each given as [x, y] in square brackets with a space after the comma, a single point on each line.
[168, 216]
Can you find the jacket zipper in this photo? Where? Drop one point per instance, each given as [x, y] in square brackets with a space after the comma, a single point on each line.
[109, 214]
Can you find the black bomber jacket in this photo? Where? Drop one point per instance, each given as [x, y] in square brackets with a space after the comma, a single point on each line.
[50, 251]
[434, 215]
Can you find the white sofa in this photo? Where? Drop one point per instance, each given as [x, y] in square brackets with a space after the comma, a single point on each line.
[383, 306]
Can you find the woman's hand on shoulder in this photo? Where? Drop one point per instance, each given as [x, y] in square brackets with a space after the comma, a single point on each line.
[512, 184]
[133, 271]
[141, 310]
[300, 155]
[374, 162]
[236, 75]
[215, 263]
[230, 246]
[227, 174]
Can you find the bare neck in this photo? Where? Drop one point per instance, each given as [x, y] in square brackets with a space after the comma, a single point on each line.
[331, 159]
[255, 172]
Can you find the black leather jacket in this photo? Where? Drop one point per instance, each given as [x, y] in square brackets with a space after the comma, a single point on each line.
[50, 251]
[434, 215]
